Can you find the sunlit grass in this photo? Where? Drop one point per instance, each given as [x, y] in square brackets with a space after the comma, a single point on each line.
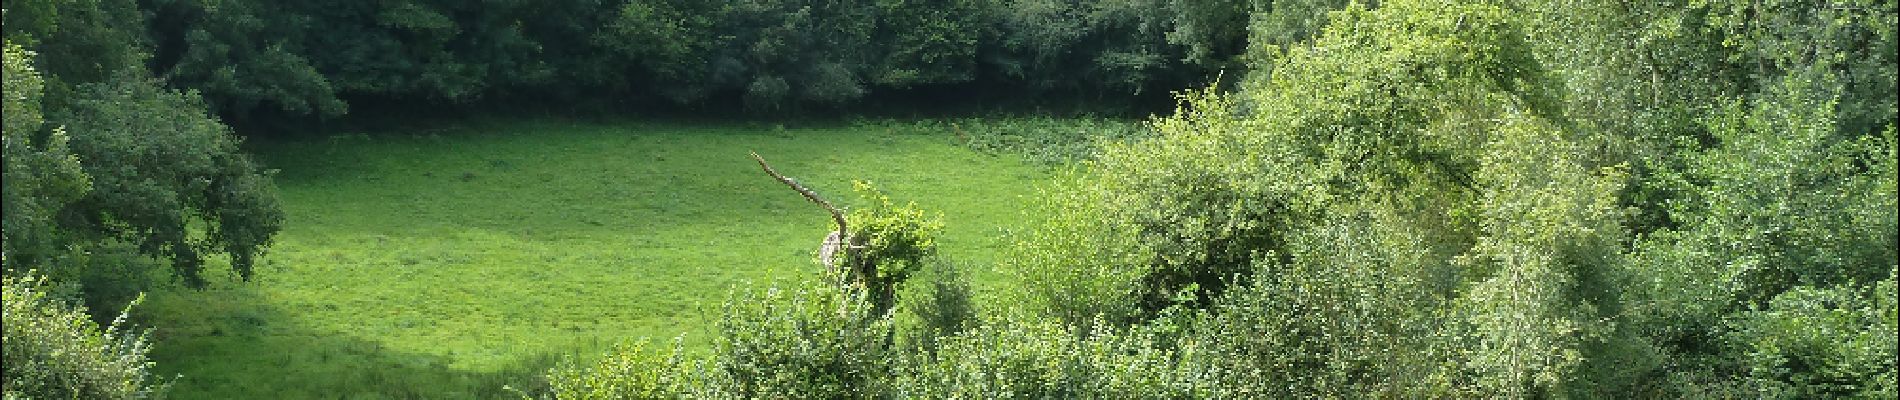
[448, 263]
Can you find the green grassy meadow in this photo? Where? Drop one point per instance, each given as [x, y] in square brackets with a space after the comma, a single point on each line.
[449, 262]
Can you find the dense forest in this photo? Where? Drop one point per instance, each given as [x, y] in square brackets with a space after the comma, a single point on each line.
[1407, 198]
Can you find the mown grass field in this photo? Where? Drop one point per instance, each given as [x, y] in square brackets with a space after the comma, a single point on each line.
[447, 263]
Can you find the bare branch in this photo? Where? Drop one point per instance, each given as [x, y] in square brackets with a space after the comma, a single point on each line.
[836, 215]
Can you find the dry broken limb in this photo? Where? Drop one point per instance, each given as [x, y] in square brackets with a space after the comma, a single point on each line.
[828, 249]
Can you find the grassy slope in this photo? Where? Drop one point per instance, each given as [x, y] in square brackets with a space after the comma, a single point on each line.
[447, 263]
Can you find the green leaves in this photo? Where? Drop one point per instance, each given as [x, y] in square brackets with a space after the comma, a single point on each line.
[897, 241]
[55, 351]
[160, 166]
[813, 342]
[1835, 342]
[1456, 199]
[42, 175]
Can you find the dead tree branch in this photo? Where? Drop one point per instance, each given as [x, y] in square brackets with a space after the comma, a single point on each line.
[839, 239]
[836, 215]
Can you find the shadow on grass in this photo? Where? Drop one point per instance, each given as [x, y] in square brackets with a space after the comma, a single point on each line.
[227, 343]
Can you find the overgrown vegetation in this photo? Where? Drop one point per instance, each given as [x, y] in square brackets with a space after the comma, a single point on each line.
[1406, 198]
[1439, 199]
[55, 351]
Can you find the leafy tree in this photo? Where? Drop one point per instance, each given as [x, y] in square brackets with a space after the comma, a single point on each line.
[659, 46]
[1388, 108]
[1781, 204]
[1431, 121]
[1851, 42]
[938, 306]
[167, 177]
[42, 175]
[1836, 342]
[79, 41]
[1551, 237]
[927, 41]
[242, 55]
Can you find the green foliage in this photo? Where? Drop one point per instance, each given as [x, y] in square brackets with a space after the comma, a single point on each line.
[1852, 42]
[1074, 266]
[274, 59]
[78, 41]
[1836, 342]
[1781, 204]
[168, 178]
[1033, 359]
[897, 241]
[55, 351]
[669, 40]
[1796, 204]
[1390, 108]
[800, 343]
[1644, 76]
[629, 371]
[1550, 239]
[1042, 140]
[1284, 25]
[41, 176]
[1351, 314]
[928, 41]
[939, 305]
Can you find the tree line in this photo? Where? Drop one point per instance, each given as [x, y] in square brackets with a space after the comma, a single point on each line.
[288, 59]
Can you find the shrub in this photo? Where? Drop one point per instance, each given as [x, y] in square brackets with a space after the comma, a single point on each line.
[630, 371]
[1350, 315]
[1043, 140]
[1540, 306]
[935, 307]
[897, 241]
[54, 351]
[1389, 109]
[1786, 211]
[1837, 342]
[801, 343]
[1044, 360]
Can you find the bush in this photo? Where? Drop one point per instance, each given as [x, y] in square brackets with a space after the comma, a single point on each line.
[1042, 140]
[1044, 360]
[54, 351]
[1788, 215]
[1350, 315]
[1809, 343]
[629, 371]
[1389, 109]
[897, 241]
[938, 305]
[801, 343]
